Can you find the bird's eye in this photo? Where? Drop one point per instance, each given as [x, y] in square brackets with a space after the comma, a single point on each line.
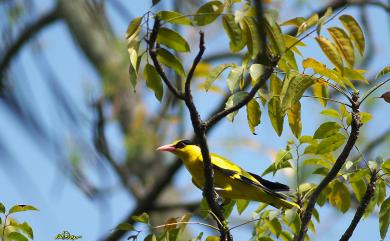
[180, 145]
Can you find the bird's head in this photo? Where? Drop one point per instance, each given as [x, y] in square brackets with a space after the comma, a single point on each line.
[181, 148]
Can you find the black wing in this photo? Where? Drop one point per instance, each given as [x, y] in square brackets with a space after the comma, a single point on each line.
[274, 186]
[236, 175]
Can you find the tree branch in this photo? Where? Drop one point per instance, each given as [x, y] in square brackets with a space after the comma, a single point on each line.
[200, 133]
[153, 55]
[29, 32]
[362, 207]
[355, 126]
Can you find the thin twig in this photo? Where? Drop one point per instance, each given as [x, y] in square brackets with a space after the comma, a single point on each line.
[373, 89]
[199, 223]
[355, 127]
[153, 56]
[368, 195]
[328, 99]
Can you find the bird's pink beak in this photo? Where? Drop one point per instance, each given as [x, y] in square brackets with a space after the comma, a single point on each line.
[168, 147]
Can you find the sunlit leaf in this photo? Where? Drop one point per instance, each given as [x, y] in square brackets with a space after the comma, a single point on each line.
[241, 205]
[326, 129]
[343, 43]
[294, 119]
[153, 81]
[340, 196]
[293, 89]
[133, 27]
[252, 35]
[274, 226]
[234, 78]
[167, 58]
[358, 186]
[275, 114]
[22, 208]
[383, 72]
[355, 74]
[275, 85]
[330, 113]
[26, 229]
[317, 162]
[355, 31]
[294, 22]
[330, 51]
[150, 237]
[275, 36]
[307, 24]
[207, 13]
[174, 17]
[215, 73]
[172, 40]
[255, 71]
[212, 238]
[330, 143]
[253, 114]
[16, 236]
[143, 218]
[320, 90]
[233, 100]
[233, 30]
[323, 19]
[384, 218]
[364, 118]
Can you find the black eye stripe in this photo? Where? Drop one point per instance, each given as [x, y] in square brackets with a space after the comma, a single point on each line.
[183, 143]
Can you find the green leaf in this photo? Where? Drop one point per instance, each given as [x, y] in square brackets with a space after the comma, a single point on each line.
[228, 208]
[343, 43]
[286, 236]
[125, 227]
[168, 59]
[317, 161]
[233, 30]
[133, 27]
[355, 32]
[207, 13]
[26, 229]
[364, 118]
[276, 115]
[330, 113]
[293, 89]
[326, 129]
[294, 119]
[241, 205]
[153, 81]
[253, 114]
[2, 208]
[16, 236]
[330, 51]
[234, 78]
[21, 208]
[274, 226]
[359, 188]
[215, 73]
[212, 238]
[383, 72]
[252, 36]
[323, 19]
[255, 71]
[275, 85]
[340, 197]
[174, 17]
[172, 40]
[384, 217]
[305, 139]
[143, 218]
[275, 36]
[232, 101]
[355, 74]
[307, 24]
[294, 22]
[330, 143]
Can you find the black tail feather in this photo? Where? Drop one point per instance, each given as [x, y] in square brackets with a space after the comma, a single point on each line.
[274, 186]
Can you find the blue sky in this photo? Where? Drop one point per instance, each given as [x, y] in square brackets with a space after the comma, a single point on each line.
[62, 205]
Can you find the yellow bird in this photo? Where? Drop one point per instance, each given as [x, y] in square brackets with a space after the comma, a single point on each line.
[231, 181]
